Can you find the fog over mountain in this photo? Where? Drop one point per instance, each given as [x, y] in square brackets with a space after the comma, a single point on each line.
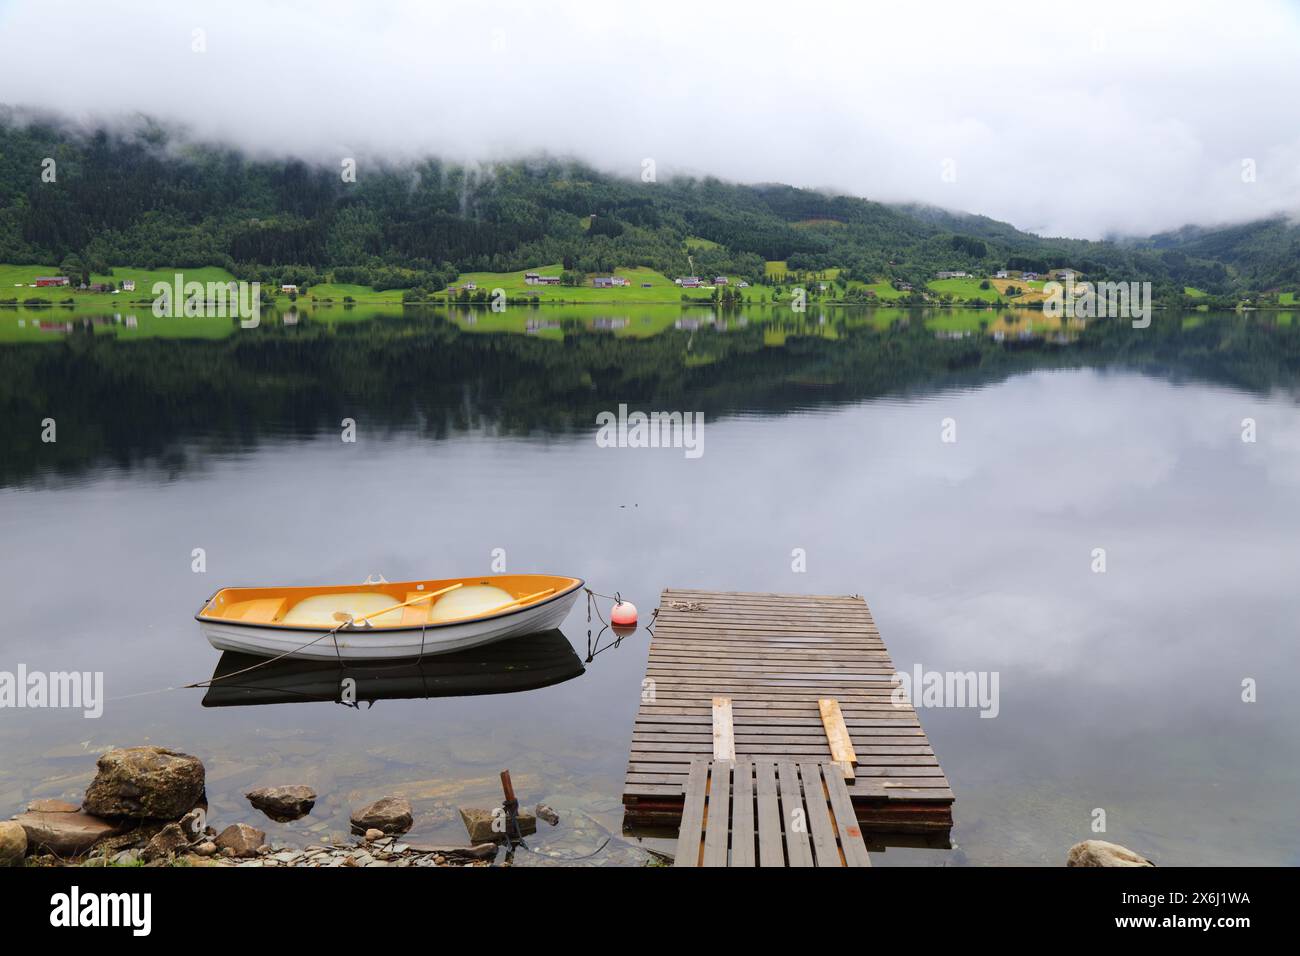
[1081, 119]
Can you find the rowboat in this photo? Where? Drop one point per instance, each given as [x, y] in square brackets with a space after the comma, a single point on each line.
[385, 621]
[507, 667]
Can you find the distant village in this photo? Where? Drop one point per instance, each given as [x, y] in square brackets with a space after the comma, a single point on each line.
[47, 282]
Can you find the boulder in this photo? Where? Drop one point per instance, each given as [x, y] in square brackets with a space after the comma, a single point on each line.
[390, 814]
[13, 843]
[145, 783]
[283, 804]
[206, 849]
[1101, 853]
[63, 833]
[546, 813]
[486, 826]
[372, 835]
[168, 841]
[240, 839]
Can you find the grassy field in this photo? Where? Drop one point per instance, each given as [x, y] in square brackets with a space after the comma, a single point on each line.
[337, 292]
[11, 276]
[1286, 298]
[661, 289]
[964, 289]
[1195, 293]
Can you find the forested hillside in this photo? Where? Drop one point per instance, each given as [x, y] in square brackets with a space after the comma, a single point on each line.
[147, 199]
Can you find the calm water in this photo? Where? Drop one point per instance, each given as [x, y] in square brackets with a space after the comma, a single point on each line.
[1119, 691]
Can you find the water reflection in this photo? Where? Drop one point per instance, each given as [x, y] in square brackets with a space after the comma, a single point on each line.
[506, 667]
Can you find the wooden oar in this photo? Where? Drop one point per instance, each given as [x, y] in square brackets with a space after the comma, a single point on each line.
[415, 600]
[501, 607]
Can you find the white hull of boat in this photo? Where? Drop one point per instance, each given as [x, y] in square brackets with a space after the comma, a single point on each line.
[384, 643]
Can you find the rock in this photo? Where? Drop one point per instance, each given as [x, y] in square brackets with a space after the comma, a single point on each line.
[63, 833]
[52, 806]
[546, 813]
[13, 843]
[193, 824]
[283, 804]
[489, 825]
[145, 783]
[205, 849]
[372, 835]
[166, 842]
[1101, 853]
[389, 814]
[241, 839]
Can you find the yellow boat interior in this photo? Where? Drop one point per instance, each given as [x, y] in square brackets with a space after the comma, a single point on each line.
[387, 604]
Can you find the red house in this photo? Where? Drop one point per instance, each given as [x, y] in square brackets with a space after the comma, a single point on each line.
[43, 281]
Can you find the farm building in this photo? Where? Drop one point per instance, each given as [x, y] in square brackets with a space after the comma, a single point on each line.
[952, 275]
[530, 278]
[1001, 274]
[608, 282]
[689, 282]
[128, 285]
[44, 281]
[720, 280]
[289, 289]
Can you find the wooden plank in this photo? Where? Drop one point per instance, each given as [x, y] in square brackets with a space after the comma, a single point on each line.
[717, 817]
[742, 814]
[794, 818]
[837, 735]
[691, 832]
[724, 741]
[824, 841]
[770, 849]
[853, 848]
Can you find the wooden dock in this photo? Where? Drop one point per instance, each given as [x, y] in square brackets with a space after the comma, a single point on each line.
[782, 678]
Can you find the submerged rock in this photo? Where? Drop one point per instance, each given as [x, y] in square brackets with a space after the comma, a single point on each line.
[65, 833]
[283, 804]
[389, 814]
[490, 825]
[240, 839]
[13, 843]
[145, 783]
[1101, 853]
[52, 806]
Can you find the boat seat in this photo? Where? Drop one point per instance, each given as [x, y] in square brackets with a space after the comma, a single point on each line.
[260, 611]
[414, 615]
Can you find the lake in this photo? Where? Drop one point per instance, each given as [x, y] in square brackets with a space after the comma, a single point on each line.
[1120, 690]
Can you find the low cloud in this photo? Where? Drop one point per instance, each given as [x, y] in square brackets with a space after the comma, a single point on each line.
[1063, 118]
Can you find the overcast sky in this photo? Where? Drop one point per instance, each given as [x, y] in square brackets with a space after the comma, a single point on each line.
[1076, 118]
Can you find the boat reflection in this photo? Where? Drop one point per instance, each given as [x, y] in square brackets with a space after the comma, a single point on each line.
[523, 663]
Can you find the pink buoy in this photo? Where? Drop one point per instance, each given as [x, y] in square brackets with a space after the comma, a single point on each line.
[623, 614]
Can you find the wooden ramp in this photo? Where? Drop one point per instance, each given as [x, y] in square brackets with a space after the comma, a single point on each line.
[779, 677]
[768, 813]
